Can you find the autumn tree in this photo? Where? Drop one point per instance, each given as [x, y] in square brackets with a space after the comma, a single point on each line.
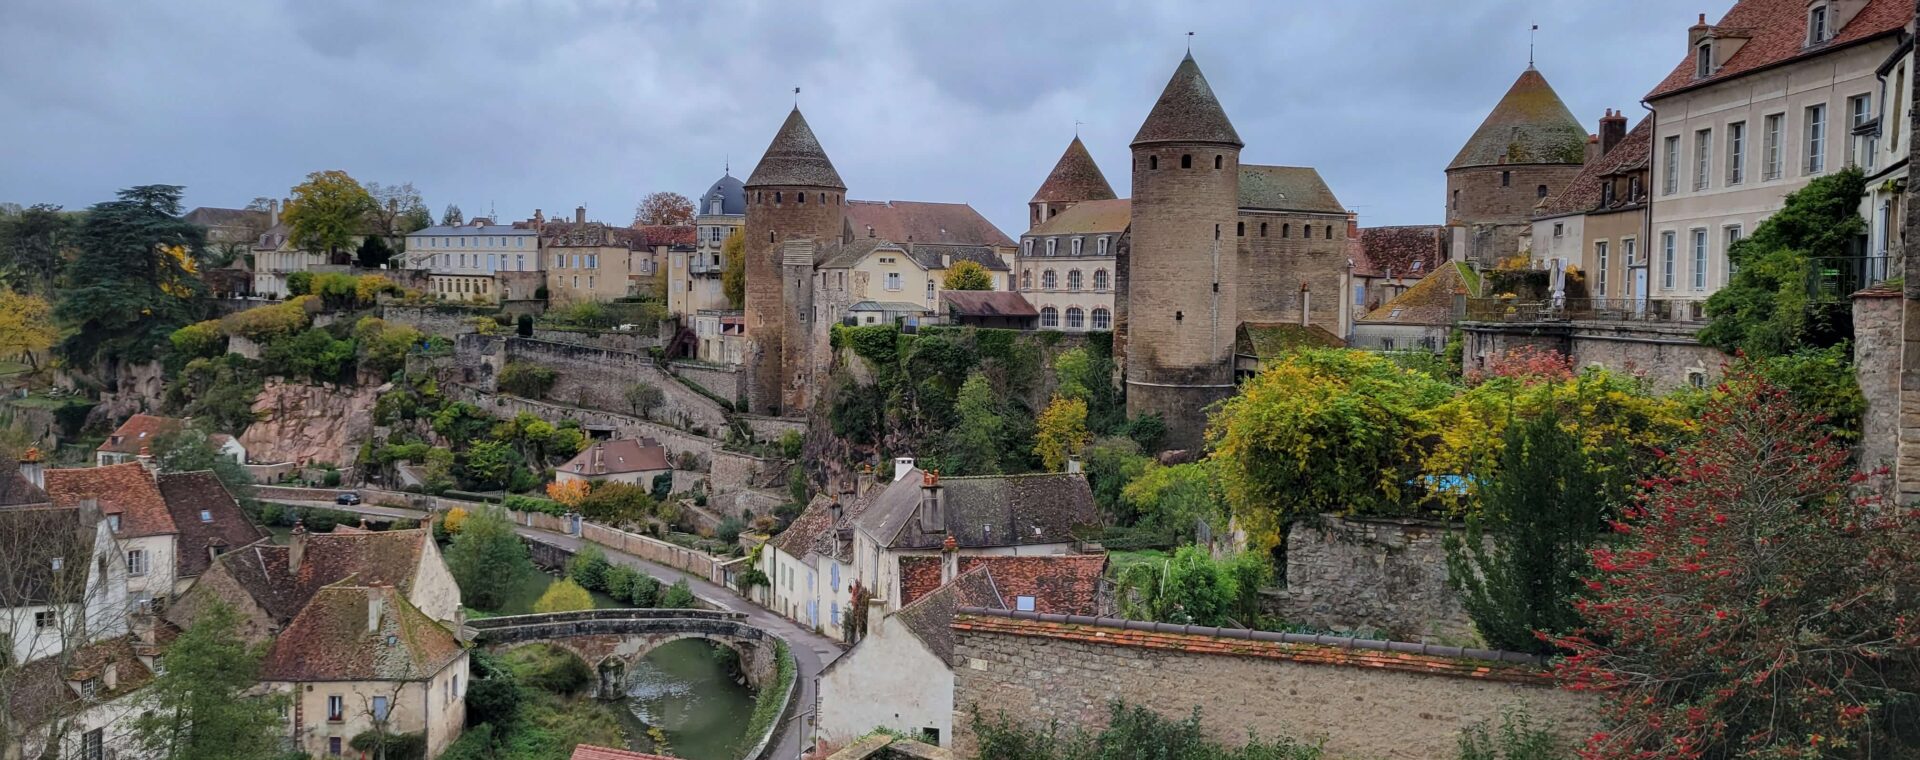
[395, 208]
[968, 275]
[564, 596]
[663, 208]
[33, 245]
[26, 326]
[199, 706]
[1761, 603]
[328, 213]
[133, 280]
[1060, 432]
[570, 493]
[733, 279]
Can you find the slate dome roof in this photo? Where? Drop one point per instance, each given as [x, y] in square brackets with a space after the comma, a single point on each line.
[729, 191]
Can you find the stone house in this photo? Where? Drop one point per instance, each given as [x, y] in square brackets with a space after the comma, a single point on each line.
[1775, 94]
[129, 498]
[1422, 317]
[1597, 224]
[1528, 148]
[1388, 260]
[464, 261]
[1067, 263]
[623, 460]
[88, 698]
[357, 658]
[132, 439]
[232, 226]
[693, 277]
[269, 584]
[721, 337]
[593, 261]
[1889, 136]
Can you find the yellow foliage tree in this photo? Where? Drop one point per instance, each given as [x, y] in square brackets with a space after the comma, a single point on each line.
[1060, 432]
[570, 493]
[455, 519]
[968, 275]
[733, 278]
[565, 596]
[26, 325]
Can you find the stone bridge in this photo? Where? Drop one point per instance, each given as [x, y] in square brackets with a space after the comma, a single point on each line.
[610, 641]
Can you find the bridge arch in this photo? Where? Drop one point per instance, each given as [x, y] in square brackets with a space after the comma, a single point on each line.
[609, 641]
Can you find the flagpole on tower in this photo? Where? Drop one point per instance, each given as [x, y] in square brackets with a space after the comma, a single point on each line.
[1535, 32]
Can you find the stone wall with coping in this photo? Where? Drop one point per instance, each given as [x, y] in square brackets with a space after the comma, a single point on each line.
[612, 340]
[504, 406]
[734, 471]
[442, 321]
[729, 383]
[1371, 576]
[598, 378]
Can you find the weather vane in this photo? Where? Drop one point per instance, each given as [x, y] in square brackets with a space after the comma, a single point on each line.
[1189, 43]
[1535, 32]
[1076, 127]
[796, 97]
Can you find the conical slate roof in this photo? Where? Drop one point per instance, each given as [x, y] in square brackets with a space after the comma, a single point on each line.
[1075, 178]
[1187, 112]
[795, 158]
[1530, 126]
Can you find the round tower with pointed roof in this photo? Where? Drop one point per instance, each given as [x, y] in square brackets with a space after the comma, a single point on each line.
[1528, 149]
[793, 194]
[1177, 317]
[1074, 178]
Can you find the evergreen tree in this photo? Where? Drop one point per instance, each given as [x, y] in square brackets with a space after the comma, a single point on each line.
[1520, 562]
[1766, 309]
[374, 252]
[485, 557]
[974, 444]
[31, 245]
[133, 282]
[197, 708]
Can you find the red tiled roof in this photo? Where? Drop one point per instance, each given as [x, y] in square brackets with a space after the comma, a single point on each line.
[920, 222]
[336, 638]
[1193, 643]
[127, 490]
[1776, 33]
[41, 691]
[667, 234]
[1583, 193]
[1404, 251]
[1076, 177]
[1060, 584]
[619, 456]
[207, 517]
[590, 752]
[919, 576]
[385, 557]
[137, 432]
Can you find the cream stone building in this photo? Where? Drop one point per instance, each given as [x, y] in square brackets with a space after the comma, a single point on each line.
[1891, 135]
[1066, 265]
[463, 261]
[694, 277]
[592, 261]
[1765, 101]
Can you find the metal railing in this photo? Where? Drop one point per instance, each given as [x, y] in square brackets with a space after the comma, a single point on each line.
[1596, 309]
[1836, 278]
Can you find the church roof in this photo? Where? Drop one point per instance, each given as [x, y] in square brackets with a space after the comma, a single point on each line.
[1075, 178]
[796, 158]
[1531, 125]
[1187, 111]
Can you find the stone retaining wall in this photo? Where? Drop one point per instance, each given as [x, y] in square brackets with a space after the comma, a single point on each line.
[444, 322]
[615, 340]
[1371, 576]
[623, 425]
[771, 429]
[729, 383]
[733, 471]
[598, 378]
[657, 551]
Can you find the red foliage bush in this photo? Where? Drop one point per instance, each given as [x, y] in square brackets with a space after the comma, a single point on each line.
[1528, 364]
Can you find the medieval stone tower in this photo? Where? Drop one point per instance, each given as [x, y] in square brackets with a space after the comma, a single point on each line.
[1074, 178]
[1181, 308]
[794, 194]
[1528, 149]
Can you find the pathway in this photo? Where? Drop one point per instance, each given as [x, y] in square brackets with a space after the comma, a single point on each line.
[812, 652]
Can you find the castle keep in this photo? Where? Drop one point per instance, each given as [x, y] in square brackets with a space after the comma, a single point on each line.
[793, 195]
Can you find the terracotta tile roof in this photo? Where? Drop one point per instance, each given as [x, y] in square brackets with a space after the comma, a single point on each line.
[386, 557]
[987, 303]
[1582, 194]
[41, 690]
[619, 456]
[1400, 251]
[1286, 188]
[1530, 125]
[930, 617]
[336, 638]
[30, 539]
[795, 158]
[207, 516]
[1060, 584]
[1076, 177]
[1187, 111]
[1776, 33]
[590, 752]
[1451, 662]
[1110, 216]
[921, 222]
[653, 235]
[127, 490]
[1277, 339]
[984, 511]
[816, 532]
[1429, 301]
[137, 432]
[943, 256]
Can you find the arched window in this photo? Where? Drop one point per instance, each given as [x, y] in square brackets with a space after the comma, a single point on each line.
[1240, 229]
[823, 197]
[1026, 280]
[1306, 231]
[1029, 242]
[1051, 244]
[1048, 280]
[1102, 249]
[1102, 319]
[1076, 319]
[1186, 161]
[1263, 229]
[1153, 162]
[1219, 162]
[769, 236]
[1100, 280]
[1540, 191]
[1073, 279]
[1049, 317]
[799, 197]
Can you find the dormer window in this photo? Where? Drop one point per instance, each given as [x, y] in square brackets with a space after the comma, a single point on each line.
[1051, 243]
[1703, 60]
[1819, 24]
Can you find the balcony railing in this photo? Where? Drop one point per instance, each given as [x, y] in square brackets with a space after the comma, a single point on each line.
[1836, 279]
[1596, 309]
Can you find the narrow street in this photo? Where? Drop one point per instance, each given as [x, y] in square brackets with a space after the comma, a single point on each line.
[812, 652]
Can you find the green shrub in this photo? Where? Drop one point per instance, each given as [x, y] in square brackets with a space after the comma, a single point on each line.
[645, 591]
[524, 503]
[549, 668]
[730, 530]
[1132, 732]
[679, 596]
[299, 283]
[391, 746]
[1516, 739]
[527, 380]
[589, 568]
[771, 699]
[620, 581]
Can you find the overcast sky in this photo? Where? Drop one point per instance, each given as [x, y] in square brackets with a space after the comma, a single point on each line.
[517, 105]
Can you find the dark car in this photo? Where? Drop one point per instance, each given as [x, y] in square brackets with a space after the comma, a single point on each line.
[347, 498]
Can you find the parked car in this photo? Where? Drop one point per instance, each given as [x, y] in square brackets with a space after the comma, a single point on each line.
[348, 498]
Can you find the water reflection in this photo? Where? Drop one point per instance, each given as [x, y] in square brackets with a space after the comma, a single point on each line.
[687, 689]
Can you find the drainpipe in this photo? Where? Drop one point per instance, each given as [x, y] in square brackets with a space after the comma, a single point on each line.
[1646, 223]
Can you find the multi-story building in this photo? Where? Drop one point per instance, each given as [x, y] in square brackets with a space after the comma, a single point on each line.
[463, 262]
[1890, 136]
[1528, 149]
[1596, 226]
[1067, 263]
[593, 261]
[694, 277]
[1777, 93]
[275, 257]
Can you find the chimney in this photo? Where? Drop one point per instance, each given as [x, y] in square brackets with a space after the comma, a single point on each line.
[273, 213]
[839, 506]
[110, 676]
[33, 469]
[374, 600]
[949, 560]
[1592, 153]
[933, 514]
[901, 466]
[146, 458]
[1073, 464]
[1613, 129]
[1353, 226]
[579, 214]
[1695, 32]
[296, 547]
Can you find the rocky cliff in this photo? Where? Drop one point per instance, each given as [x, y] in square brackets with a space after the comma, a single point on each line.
[309, 423]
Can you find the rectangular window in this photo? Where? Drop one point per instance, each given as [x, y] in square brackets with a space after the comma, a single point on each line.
[1023, 603]
[333, 746]
[1860, 108]
[1702, 158]
[44, 619]
[137, 562]
[1775, 131]
[379, 708]
[1736, 153]
[1699, 259]
[1666, 260]
[893, 280]
[1816, 138]
[1817, 25]
[336, 708]
[1730, 235]
[1628, 250]
[93, 744]
[1670, 165]
[1600, 269]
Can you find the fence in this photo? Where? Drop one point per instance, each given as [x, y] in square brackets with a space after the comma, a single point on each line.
[1594, 309]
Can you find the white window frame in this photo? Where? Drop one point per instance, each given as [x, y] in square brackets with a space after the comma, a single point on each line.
[1773, 145]
[1101, 318]
[1736, 153]
[1667, 242]
[1076, 318]
[1819, 23]
[1702, 159]
[136, 562]
[1670, 166]
[1729, 235]
[1815, 130]
[1050, 317]
[1699, 258]
[1077, 243]
[1052, 244]
[893, 281]
[1101, 246]
[1600, 268]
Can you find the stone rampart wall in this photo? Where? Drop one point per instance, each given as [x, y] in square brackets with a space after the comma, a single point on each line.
[1371, 576]
[598, 378]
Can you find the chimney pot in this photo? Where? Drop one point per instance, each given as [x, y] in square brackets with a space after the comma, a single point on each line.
[373, 610]
[1073, 464]
[296, 547]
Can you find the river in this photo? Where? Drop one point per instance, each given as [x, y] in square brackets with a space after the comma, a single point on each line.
[685, 689]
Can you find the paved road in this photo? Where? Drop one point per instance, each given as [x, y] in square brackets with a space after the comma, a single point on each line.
[811, 651]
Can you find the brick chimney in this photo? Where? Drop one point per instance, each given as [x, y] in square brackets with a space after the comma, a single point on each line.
[296, 547]
[579, 214]
[273, 213]
[863, 482]
[1613, 129]
[146, 458]
[949, 560]
[933, 513]
[1353, 226]
[34, 470]
[1593, 149]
